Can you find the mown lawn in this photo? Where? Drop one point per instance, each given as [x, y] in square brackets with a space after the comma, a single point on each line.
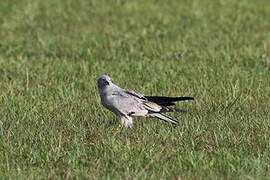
[52, 125]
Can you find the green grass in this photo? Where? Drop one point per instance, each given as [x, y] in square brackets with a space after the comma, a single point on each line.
[53, 126]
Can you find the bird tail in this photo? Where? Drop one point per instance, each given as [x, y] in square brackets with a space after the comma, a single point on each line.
[167, 101]
[164, 117]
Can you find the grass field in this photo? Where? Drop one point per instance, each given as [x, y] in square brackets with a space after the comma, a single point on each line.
[53, 126]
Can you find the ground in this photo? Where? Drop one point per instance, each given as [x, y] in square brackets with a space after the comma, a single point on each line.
[53, 126]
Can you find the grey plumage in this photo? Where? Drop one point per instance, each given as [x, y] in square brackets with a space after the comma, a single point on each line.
[128, 104]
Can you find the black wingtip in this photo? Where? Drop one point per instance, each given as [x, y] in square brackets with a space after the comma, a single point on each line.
[167, 101]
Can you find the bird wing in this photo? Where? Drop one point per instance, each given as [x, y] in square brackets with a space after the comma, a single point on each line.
[148, 105]
[151, 106]
[128, 103]
[135, 94]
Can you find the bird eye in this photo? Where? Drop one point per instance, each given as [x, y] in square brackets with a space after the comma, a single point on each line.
[106, 82]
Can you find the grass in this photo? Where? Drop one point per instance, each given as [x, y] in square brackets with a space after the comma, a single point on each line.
[52, 125]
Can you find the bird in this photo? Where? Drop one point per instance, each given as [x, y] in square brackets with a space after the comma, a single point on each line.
[127, 104]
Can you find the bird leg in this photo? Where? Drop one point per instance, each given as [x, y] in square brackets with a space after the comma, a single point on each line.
[126, 121]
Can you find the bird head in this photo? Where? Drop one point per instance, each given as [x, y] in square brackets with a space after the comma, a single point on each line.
[104, 82]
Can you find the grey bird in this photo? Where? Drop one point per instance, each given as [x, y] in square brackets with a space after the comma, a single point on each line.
[128, 104]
